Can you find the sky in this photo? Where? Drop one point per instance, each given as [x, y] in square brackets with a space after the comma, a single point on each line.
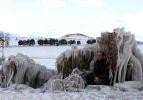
[59, 17]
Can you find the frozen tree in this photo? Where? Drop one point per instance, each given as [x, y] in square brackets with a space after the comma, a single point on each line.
[5, 37]
[126, 60]
[20, 69]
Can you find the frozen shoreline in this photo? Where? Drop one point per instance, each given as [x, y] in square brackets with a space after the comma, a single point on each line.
[106, 93]
[90, 93]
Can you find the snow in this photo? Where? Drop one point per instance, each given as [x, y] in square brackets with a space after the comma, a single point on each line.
[22, 92]
[140, 46]
[46, 55]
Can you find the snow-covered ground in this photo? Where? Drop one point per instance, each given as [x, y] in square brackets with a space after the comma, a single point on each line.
[22, 92]
[46, 55]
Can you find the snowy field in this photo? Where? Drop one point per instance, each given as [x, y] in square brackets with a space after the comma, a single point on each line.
[46, 55]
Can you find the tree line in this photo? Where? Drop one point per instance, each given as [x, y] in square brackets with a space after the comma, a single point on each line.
[29, 42]
[52, 41]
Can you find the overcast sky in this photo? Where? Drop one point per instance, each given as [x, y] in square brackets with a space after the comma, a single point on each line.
[59, 17]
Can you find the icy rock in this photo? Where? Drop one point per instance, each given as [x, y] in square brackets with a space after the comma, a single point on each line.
[97, 87]
[129, 86]
[31, 91]
[20, 87]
